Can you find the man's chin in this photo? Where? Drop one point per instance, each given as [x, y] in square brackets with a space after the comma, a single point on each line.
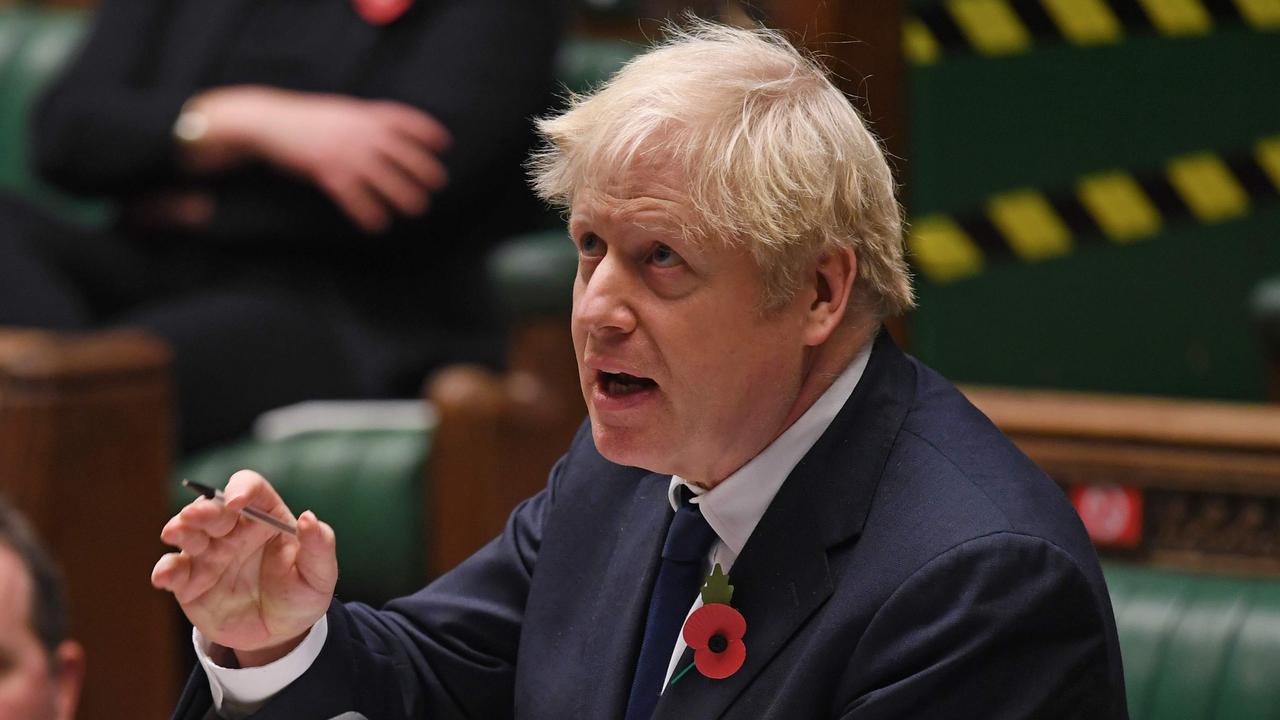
[630, 446]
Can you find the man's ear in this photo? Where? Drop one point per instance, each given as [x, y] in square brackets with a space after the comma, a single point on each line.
[832, 279]
[68, 668]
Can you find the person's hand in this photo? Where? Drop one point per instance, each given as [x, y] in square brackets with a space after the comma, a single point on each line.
[373, 158]
[246, 586]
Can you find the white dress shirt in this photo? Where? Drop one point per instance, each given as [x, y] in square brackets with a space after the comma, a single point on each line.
[733, 508]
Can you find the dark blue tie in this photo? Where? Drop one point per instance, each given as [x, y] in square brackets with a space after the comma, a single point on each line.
[684, 555]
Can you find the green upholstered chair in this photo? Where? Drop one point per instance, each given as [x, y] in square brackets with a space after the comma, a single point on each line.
[34, 44]
[1197, 647]
[367, 484]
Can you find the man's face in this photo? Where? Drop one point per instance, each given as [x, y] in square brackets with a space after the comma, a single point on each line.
[682, 372]
[31, 687]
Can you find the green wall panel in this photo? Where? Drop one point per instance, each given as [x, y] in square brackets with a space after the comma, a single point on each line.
[1168, 315]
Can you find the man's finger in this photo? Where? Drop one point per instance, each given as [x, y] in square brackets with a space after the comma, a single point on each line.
[317, 555]
[208, 569]
[171, 572]
[186, 539]
[247, 487]
[208, 516]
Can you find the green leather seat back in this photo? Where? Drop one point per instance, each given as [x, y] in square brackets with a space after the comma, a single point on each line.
[1265, 303]
[34, 45]
[16, 26]
[585, 63]
[1197, 647]
[532, 275]
[367, 484]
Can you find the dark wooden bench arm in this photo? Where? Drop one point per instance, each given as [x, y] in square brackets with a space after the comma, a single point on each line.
[85, 436]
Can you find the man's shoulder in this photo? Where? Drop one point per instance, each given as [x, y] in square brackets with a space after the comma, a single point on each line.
[952, 470]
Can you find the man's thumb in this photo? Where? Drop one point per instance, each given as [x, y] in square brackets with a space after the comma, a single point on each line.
[317, 555]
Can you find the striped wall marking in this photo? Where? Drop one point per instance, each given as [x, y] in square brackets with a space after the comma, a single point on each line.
[1085, 22]
[1178, 17]
[991, 26]
[918, 42]
[1267, 153]
[998, 27]
[1029, 224]
[1207, 186]
[943, 250]
[1114, 205]
[1117, 203]
[1262, 14]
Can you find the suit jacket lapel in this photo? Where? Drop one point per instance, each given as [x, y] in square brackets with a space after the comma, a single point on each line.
[777, 586]
[783, 576]
[617, 623]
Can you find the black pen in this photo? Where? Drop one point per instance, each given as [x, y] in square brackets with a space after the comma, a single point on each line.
[250, 512]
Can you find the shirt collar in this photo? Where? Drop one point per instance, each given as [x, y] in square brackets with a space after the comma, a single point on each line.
[734, 507]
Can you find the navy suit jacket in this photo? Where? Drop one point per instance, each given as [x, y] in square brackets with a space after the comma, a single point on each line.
[914, 565]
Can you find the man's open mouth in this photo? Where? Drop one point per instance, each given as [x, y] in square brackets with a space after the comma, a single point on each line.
[621, 384]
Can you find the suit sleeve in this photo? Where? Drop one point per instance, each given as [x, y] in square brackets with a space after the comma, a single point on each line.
[448, 651]
[102, 128]
[1004, 626]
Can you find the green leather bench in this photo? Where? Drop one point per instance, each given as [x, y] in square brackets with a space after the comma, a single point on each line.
[1197, 647]
[34, 44]
[366, 483]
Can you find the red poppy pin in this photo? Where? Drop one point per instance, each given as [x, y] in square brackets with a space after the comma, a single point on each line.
[715, 630]
[381, 12]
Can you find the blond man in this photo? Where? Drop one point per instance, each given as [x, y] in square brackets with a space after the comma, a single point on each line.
[890, 553]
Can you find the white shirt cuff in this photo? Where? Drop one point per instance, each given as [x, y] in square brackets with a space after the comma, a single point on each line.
[240, 692]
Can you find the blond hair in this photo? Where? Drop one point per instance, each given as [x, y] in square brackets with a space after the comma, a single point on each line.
[775, 157]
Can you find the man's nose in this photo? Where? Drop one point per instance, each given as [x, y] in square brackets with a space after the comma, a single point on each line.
[605, 300]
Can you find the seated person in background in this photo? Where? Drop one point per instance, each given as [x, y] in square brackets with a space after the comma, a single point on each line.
[891, 554]
[40, 669]
[308, 189]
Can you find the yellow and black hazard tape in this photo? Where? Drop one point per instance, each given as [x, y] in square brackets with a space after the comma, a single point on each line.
[1006, 27]
[1110, 206]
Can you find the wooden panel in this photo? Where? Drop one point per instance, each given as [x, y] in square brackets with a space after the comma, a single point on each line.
[1207, 473]
[85, 451]
[1159, 421]
[498, 437]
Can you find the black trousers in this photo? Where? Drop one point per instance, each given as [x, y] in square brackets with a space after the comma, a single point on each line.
[246, 336]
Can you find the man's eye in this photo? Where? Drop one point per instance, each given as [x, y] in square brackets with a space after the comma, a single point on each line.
[591, 244]
[664, 256]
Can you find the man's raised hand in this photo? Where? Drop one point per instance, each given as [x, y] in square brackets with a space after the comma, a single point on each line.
[246, 586]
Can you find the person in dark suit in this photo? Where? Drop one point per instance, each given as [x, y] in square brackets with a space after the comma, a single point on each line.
[889, 554]
[307, 190]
